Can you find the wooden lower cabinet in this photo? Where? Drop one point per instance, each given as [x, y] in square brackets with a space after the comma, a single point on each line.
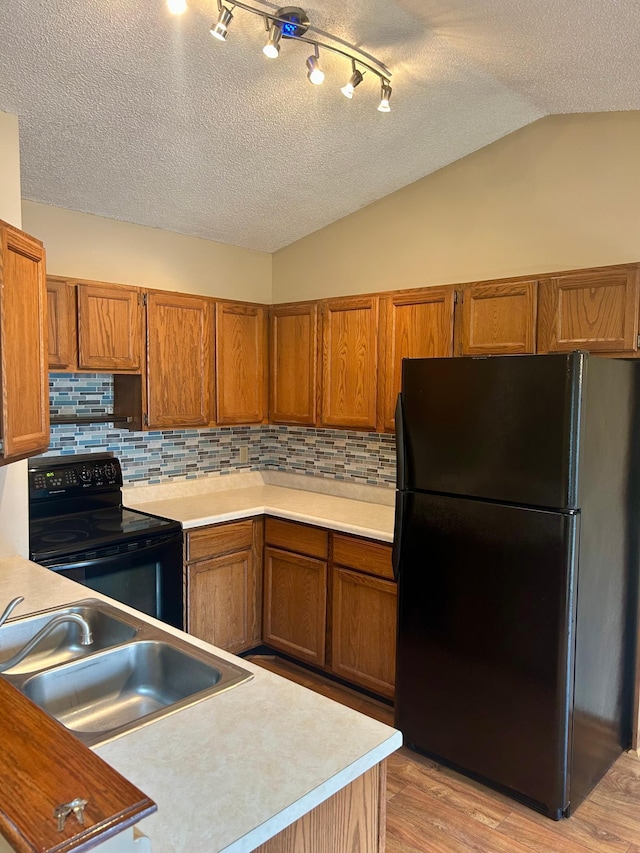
[224, 589]
[363, 630]
[295, 604]
[353, 819]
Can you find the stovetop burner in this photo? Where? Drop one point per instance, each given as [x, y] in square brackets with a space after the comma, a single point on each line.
[62, 537]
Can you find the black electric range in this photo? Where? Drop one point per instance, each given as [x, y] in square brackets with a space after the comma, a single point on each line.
[79, 528]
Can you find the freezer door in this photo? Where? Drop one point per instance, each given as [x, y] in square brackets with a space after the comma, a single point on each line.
[485, 637]
[503, 428]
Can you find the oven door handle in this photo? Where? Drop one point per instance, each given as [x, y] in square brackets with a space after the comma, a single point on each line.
[110, 559]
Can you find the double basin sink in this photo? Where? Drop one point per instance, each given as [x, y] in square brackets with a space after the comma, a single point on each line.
[131, 674]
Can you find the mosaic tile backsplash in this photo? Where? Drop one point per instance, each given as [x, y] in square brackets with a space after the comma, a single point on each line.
[156, 456]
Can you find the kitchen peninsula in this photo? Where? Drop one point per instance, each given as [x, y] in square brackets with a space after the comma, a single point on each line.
[232, 772]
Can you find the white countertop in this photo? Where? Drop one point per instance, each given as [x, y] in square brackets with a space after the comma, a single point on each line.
[213, 500]
[232, 771]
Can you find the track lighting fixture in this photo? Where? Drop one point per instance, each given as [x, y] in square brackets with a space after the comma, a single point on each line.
[272, 47]
[220, 28]
[292, 23]
[314, 72]
[385, 95]
[355, 80]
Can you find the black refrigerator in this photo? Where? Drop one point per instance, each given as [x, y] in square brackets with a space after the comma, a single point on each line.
[516, 555]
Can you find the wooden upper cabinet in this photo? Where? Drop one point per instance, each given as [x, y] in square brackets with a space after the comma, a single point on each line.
[414, 324]
[592, 310]
[180, 360]
[294, 364]
[349, 363]
[61, 324]
[109, 327]
[23, 344]
[241, 363]
[499, 317]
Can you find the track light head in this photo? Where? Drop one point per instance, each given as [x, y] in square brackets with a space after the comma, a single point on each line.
[272, 47]
[315, 74]
[177, 7]
[355, 80]
[220, 28]
[385, 96]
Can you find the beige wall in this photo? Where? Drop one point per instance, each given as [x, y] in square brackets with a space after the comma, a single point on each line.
[10, 209]
[561, 193]
[14, 513]
[80, 245]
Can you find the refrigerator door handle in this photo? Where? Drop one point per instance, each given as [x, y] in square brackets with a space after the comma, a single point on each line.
[401, 469]
[397, 535]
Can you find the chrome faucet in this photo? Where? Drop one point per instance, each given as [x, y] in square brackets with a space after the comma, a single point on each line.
[11, 606]
[86, 639]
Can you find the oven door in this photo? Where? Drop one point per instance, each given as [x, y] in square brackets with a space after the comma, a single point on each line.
[148, 578]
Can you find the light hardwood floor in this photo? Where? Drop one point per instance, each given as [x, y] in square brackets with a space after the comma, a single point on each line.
[431, 809]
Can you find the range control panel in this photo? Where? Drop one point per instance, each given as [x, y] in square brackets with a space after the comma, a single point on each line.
[71, 477]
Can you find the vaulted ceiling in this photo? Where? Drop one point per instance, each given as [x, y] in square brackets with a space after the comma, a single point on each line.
[128, 112]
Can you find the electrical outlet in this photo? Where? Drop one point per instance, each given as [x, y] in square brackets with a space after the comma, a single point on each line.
[244, 453]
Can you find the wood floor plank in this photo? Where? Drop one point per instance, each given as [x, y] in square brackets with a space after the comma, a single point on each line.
[446, 824]
[448, 789]
[566, 836]
[622, 821]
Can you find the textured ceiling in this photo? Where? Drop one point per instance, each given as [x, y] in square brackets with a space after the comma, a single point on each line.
[130, 113]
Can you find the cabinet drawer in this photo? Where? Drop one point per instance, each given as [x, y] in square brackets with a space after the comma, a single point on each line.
[219, 539]
[300, 538]
[363, 555]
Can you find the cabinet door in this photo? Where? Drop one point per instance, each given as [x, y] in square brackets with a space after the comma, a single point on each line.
[109, 327]
[295, 604]
[499, 318]
[179, 368]
[349, 363]
[594, 310]
[416, 324]
[223, 601]
[241, 364]
[294, 364]
[363, 630]
[23, 344]
[61, 324]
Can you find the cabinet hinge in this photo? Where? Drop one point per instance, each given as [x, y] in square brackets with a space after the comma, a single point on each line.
[144, 299]
[638, 342]
[458, 296]
[145, 419]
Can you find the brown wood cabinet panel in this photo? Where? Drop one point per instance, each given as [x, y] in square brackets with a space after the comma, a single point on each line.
[294, 364]
[23, 344]
[301, 538]
[414, 324]
[295, 604]
[364, 555]
[180, 360]
[351, 821]
[499, 318]
[241, 363]
[219, 539]
[363, 630]
[594, 310]
[43, 765]
[349, 363]
[222, 601]
[61, 324]
[109, 327]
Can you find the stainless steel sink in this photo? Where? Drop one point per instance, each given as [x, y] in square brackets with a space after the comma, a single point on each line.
[63, 643]
[133, 674]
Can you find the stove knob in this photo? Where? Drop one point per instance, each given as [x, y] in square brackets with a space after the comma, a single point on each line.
[85, 474]
[110, 471]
